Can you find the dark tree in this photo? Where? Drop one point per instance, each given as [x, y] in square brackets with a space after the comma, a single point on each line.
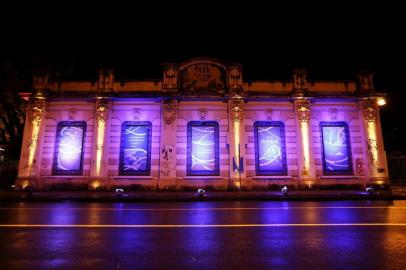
[12, 109]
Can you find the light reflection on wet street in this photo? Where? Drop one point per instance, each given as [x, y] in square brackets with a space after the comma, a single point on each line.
[227, 235]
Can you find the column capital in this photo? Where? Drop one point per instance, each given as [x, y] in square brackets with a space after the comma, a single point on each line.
[302, 107]
[36, 110]
[101, 108]
[369, 110]
[236, 108]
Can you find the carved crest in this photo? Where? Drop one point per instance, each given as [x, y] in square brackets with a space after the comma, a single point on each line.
[72, 114]
[106, 80]
[333, 114]
[170, 77]
[300, 79]
[202, 114]
[169, 109]
[203, 76]
[365, 80]
[235, 77]
[268, 114]
[136, 114]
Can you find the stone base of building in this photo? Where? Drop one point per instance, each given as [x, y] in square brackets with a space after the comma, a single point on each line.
[193, 183]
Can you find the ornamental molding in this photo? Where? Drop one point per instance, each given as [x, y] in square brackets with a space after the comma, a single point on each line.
[170, 80]
[236, 109]
[268, 114]
[303, 110]
[136, 114]
[101, 108]
[37, 109]
[72, 114]
[202, 112]
[169, 111]
[369, 110]
[300, 80]
[235, 77]
[333, 114]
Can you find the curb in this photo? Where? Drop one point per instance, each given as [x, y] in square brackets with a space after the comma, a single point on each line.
[195, 198]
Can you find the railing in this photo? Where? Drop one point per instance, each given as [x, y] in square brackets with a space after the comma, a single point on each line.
[397, 169]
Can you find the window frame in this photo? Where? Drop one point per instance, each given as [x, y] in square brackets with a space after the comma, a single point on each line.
[60, 126]
[216, 171]
[258, 170]
[350, 170]
[121, 170]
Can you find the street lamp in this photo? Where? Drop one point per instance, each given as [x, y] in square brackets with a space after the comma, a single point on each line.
[201, 192]
[285, 190]
[370, 190]
[381, 101]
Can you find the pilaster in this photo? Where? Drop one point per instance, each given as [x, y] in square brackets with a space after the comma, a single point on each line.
[307, 173]
[236, 142]
[167, 156]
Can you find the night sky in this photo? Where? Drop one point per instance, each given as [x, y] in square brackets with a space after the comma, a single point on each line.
[331, 42]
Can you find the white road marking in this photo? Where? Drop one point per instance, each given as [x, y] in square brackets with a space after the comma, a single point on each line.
[200, 225]
[203, 208]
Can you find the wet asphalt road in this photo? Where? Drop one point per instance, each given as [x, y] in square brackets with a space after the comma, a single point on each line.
[203, 235]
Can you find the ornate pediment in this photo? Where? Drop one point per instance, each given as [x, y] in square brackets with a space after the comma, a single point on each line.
[204, 76]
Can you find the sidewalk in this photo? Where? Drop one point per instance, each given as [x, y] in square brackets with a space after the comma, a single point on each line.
[397, 193]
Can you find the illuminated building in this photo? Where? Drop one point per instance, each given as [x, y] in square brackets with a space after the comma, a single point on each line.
[202, 125]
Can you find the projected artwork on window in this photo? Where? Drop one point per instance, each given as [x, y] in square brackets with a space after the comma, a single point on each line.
[135, 153]
[270, 156]
[202, 151]
[336, 148]
[69, 148]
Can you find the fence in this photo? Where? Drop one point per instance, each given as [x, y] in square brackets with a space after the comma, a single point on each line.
[397, 169]
[8, 173]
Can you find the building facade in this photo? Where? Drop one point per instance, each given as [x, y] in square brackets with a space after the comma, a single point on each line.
[202, 125]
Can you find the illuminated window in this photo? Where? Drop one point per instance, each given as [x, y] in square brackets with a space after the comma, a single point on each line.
[135, 150]
[270, 154]
[203, 148]
[336, 148]
[68, 158]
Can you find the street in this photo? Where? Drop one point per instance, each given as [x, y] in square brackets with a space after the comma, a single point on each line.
[203, 235]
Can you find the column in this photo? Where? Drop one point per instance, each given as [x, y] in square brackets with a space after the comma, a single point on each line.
[377, 167]
[306, 160]
[167, 156]
[236, 142]
[29, 170]
[99, 165]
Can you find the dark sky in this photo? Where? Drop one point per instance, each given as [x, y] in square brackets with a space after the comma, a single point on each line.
[332, 42]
